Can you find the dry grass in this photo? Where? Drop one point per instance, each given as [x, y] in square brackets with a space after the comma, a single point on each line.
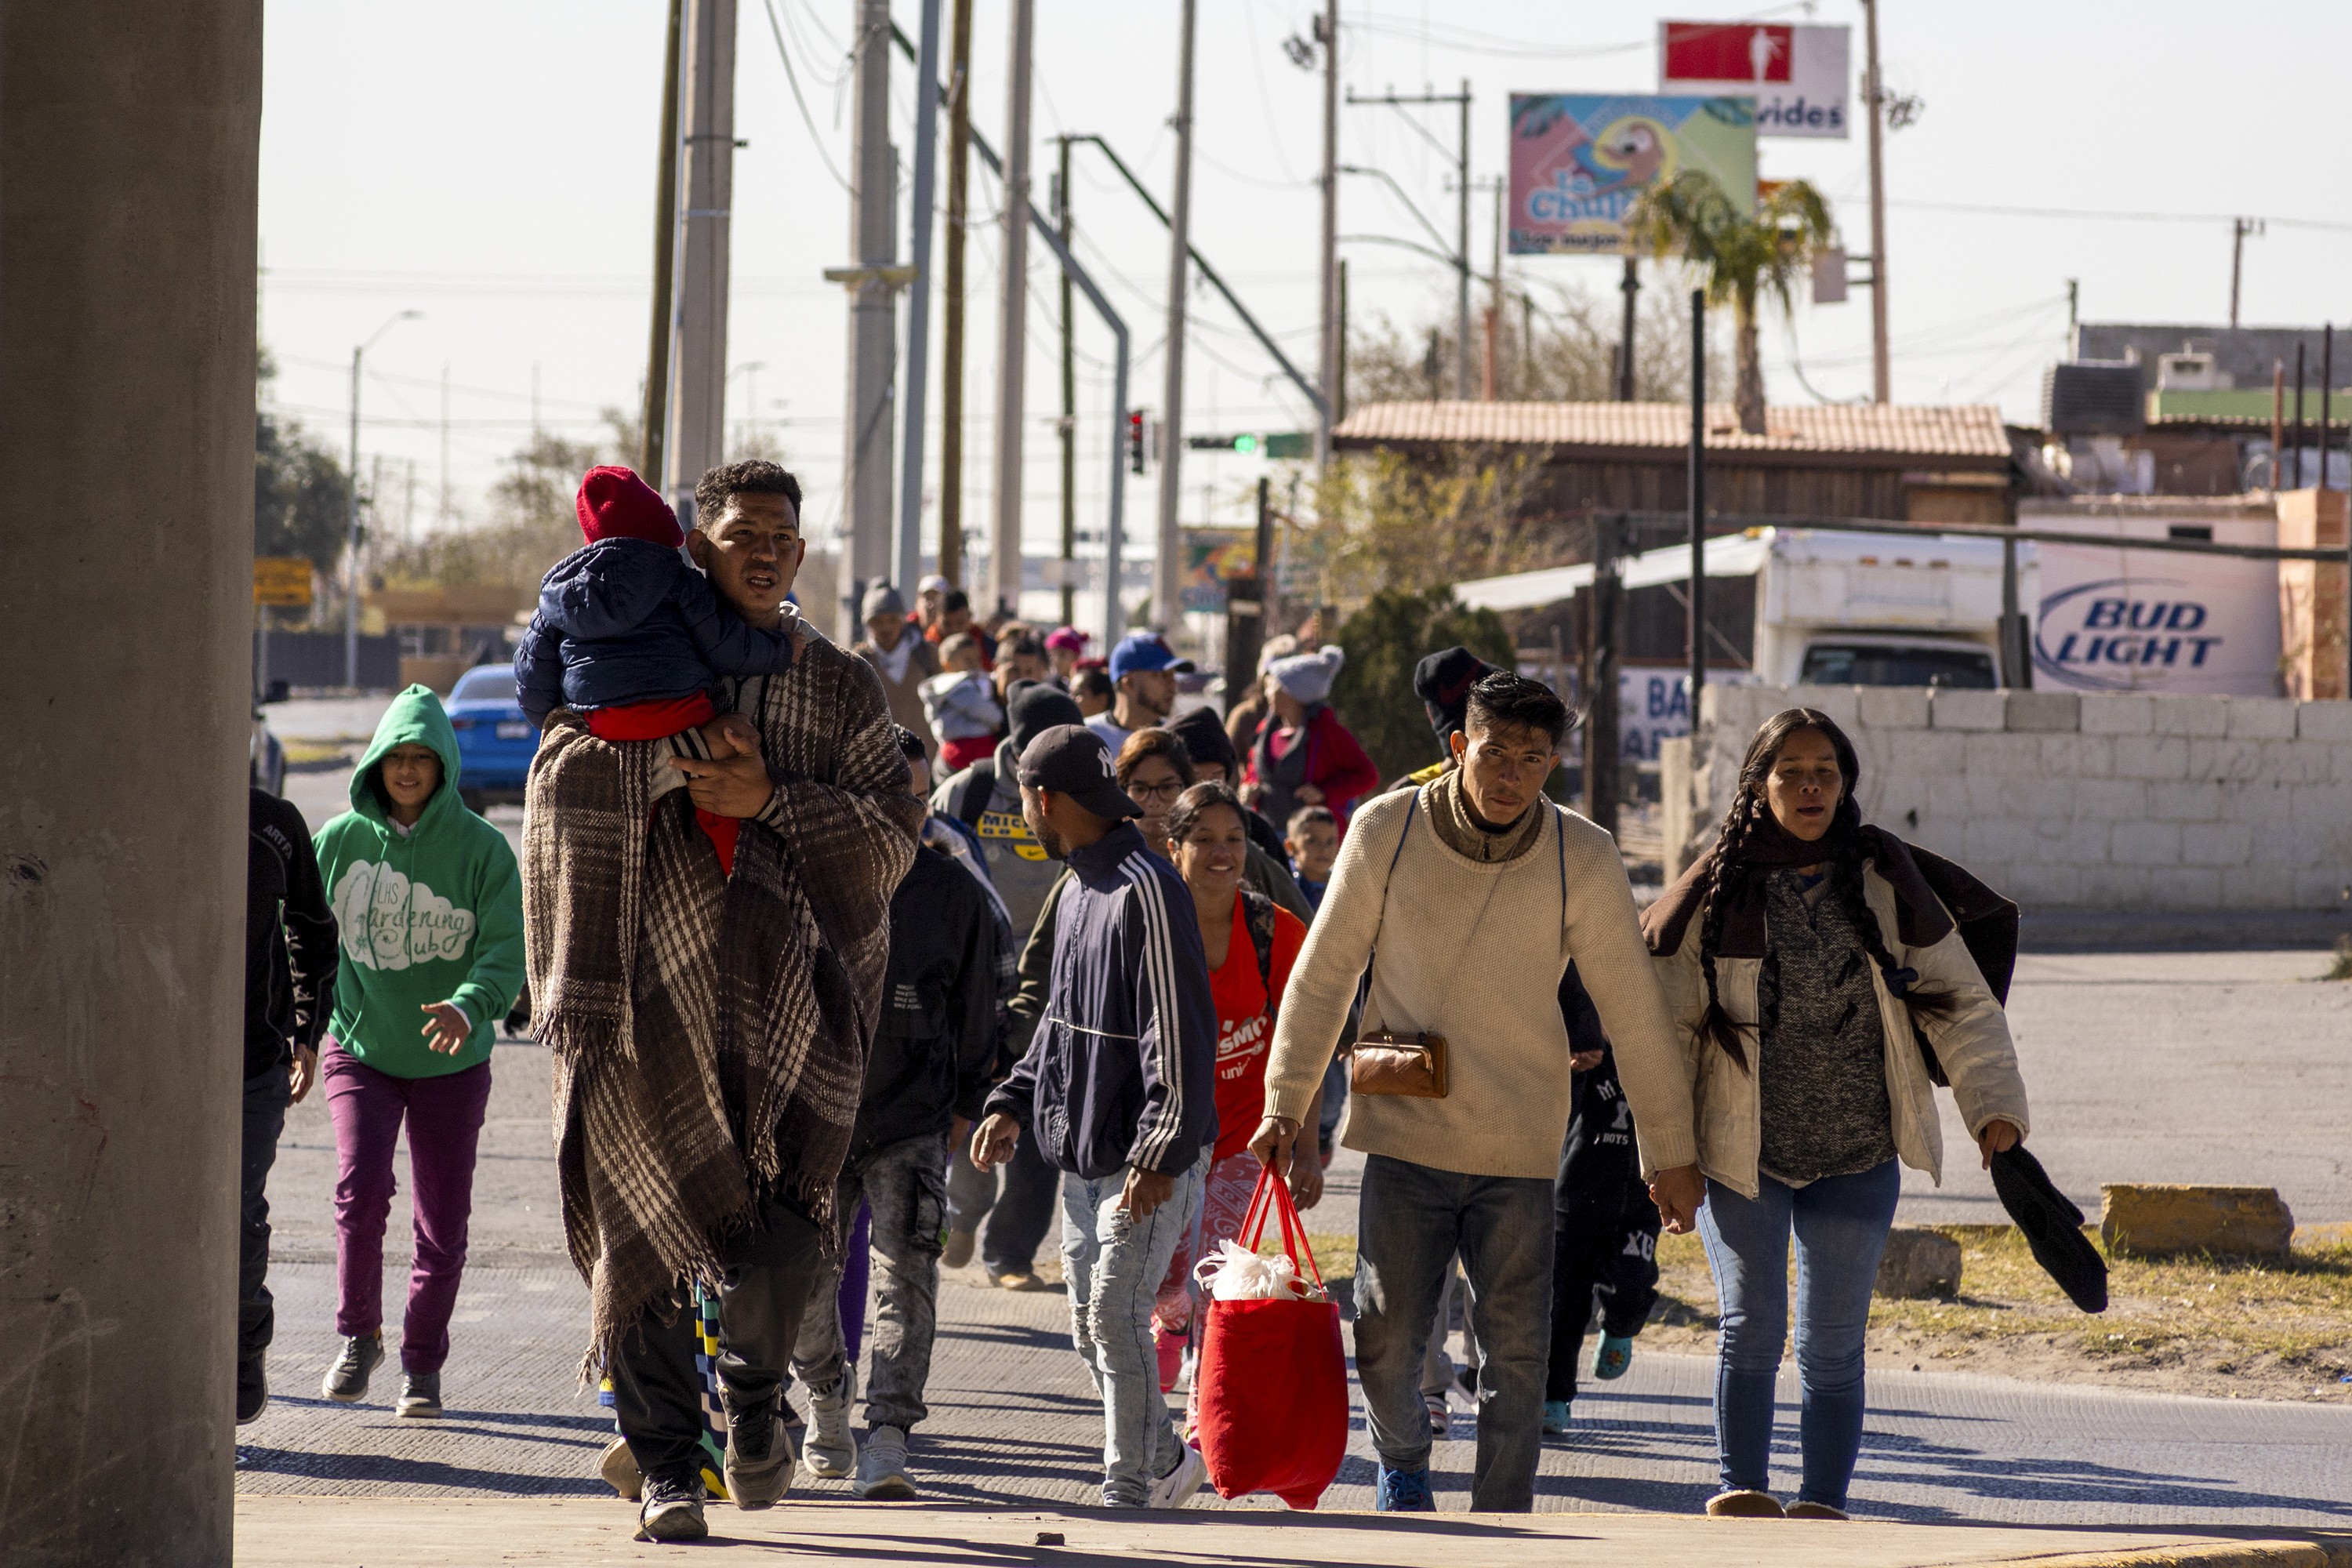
[2342, 968]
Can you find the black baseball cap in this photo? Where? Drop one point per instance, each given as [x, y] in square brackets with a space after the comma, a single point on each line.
[1034, 707]
[1071, 760]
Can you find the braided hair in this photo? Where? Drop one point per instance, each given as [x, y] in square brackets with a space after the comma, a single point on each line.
[1748, 806]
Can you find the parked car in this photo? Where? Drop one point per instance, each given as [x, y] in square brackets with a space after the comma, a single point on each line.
[265, 756]
[494, 741]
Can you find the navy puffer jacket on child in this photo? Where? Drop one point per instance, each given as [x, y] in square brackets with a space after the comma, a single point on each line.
[628, 620]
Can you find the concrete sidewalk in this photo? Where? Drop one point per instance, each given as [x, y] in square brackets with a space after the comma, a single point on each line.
[394, 1533]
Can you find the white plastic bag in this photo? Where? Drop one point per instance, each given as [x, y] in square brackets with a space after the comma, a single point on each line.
[1234, 1273]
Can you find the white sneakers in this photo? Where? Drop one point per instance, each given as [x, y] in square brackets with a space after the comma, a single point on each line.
[1176, 1488]
[882, 1466]
[831, 1451]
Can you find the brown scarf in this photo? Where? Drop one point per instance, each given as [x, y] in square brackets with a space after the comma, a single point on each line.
[1450, 812]
[1931, 894]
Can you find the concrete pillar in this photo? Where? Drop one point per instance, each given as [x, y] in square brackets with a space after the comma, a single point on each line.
[698, 420]
[129, 143]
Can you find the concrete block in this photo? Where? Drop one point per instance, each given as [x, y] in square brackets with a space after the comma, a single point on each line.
[2152, 1219]
[2261, 804]
[2224, 760]
[1938, 835]
[2145, 843]
[2296, 762]
[2144, 757]
[2329, 721]
[2289, 849]
[1928, 751]
[2184, 887]
[2044, 882]
[1918, 1262]
[2257, 887]
[2195, 801]
[2115, 887]
[2206, 716]
[2322, 810]
[1998, 839]
[2116, 713]
[2044, 710]
[2081, 842]
[1998, 755]
[2340, 769]
[2327, 888]
[1892, 707]
[1947, 798]
[2111, 800]
[2216, 843]
[2074, 756]
[2261, 719]
[1958, 710]
[2038, 799]
[1840, 702]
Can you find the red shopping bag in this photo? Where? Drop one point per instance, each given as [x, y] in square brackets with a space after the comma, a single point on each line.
[1273, 1377]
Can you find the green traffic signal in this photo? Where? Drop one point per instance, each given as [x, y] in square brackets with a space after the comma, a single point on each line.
[1244, 444]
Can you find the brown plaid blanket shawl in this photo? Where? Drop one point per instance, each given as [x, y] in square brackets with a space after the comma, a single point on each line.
[708, 1033]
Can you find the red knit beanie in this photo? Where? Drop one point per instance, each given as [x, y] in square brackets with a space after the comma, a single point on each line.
[613, 503]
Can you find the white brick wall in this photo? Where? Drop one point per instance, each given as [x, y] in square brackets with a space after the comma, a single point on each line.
[2109, 801]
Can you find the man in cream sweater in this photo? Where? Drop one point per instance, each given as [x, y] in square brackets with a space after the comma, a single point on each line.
[1467, 897]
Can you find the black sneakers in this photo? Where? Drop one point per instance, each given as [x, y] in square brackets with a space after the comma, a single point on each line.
[760, 1459]
[252, 1391]
[346, 1380]
[672, 1509]
[420, 1396]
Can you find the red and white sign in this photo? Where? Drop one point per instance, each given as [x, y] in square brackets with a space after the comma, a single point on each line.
[1798, 75]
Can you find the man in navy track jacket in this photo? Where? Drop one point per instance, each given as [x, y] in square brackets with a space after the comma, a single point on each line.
[1118, 1087]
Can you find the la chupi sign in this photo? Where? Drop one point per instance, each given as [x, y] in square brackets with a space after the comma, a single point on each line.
[282, 582]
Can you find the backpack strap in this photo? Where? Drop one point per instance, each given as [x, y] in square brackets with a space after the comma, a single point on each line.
[1257, 915]
[978, 792]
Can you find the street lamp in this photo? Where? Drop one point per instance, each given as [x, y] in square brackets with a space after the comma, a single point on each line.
[352, 566]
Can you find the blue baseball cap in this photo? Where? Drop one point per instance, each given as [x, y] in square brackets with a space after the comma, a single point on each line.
[1144, 652]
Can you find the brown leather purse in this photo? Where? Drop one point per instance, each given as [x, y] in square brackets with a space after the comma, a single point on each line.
[1385, 1062]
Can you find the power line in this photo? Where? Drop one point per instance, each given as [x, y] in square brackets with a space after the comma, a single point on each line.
[2086, 214]
[816, 140]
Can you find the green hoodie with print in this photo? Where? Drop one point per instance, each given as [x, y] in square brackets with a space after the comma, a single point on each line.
[430, 914]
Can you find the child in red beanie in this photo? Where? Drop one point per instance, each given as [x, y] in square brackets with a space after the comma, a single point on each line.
[630, 636]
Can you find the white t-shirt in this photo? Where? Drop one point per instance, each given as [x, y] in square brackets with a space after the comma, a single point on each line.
[1112, 736]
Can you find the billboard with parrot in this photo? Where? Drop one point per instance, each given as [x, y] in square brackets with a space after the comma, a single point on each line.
[1579, 160]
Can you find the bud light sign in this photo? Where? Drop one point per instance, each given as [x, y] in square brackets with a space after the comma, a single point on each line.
[2122, 620]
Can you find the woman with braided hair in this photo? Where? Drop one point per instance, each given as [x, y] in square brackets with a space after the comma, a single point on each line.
[1822, 986]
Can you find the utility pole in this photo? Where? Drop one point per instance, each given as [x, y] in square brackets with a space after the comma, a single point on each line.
[656, 414]
[2239, 228]
[1069, 428]
[352, 544]
[1461, 101]
[1334, 354]
[951, 344]
[1631, 286]
[1599, 675]
[1462, 249]
[1166, 568]
[442, 521]
[918, 306]
[1697, 488]
[1874, 95]
[1013, 322]
[1332, 364]
[1491, 377]
[873, 316]
[699, 319]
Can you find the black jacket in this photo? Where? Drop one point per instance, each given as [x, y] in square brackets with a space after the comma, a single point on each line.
[1122, 1068]
[937, 1041]
[290, 936]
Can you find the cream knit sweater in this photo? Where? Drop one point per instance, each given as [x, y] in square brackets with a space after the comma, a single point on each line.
[1474, 952]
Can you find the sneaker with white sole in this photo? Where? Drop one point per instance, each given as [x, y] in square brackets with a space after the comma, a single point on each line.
[760, 1459]
[1175, 1489]
[672, 1509]
[958, 1251]
[882, 1465]
[831, 1450]
[346, 1382]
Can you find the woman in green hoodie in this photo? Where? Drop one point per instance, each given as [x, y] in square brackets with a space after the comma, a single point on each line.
[428, 900]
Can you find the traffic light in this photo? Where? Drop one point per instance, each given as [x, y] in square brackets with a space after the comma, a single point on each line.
[1135, 440]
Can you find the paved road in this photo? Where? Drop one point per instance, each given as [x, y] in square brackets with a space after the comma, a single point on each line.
[1015, 1418]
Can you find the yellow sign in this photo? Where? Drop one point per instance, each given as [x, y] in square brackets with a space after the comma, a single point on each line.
[282, 579]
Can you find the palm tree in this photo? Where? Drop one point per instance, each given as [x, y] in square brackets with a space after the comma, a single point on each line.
[1745, 254]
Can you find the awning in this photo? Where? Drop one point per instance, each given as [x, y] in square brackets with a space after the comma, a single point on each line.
[1729, 555]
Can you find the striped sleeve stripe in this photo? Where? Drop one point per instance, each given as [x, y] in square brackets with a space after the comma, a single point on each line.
[1154, 1142]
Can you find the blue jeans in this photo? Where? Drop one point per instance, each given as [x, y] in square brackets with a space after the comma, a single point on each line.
[1841, 1224]
[1411, 1221]
[1114, 1265]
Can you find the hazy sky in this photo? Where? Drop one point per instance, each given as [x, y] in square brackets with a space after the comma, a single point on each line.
[491, 165]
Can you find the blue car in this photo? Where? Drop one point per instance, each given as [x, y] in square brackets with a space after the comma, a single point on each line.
[494, 741]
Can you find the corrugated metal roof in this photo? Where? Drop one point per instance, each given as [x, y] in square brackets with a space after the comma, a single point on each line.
[1965, 431]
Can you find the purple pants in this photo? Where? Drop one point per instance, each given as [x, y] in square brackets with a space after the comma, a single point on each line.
[445, 1124]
